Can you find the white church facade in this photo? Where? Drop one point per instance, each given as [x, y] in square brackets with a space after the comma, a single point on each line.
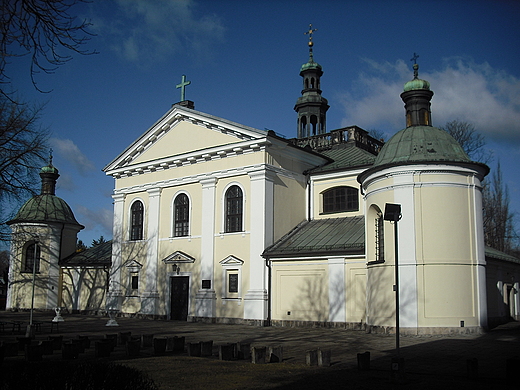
[216, 221]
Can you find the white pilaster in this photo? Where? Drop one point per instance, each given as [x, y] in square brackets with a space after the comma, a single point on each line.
[205, 300]
[261, 211]
[404, 195]
[337, 312]
[55, 241]
[150, 295]
[115, 292]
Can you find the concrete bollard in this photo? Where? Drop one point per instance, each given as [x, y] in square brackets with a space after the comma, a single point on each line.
[112, 338]
[311, 358]
[56, 342]
[147, 340]
[194, 349]
[324, 358]
[225, 352]
[33, 352]
[85, 340]
[123, 337]
[69, 351]
[258, 355]
[244, 351]
[363, 361]
[206, 348]
[275, 354]
[47, 347]
[178, 344]
[103, 348]
[159, 345]
[133, 347]
[22, 342]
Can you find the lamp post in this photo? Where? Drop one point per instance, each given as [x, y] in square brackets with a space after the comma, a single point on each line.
[30, 329]
[393, 214]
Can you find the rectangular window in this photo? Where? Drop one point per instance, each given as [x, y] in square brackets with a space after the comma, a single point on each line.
[135, 282]
[233, 282]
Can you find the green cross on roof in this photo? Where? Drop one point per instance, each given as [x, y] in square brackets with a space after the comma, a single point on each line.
[182, 86]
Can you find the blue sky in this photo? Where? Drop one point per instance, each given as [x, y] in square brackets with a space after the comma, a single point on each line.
[243, 60]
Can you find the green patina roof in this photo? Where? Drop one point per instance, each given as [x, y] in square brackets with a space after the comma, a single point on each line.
[320, 237]
[345, 156]
[421, 144]
[45, 208]
[98, 256]
[310, 65]
[416, 84]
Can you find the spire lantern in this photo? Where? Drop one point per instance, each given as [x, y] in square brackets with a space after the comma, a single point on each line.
[49, 175]
[311, 106]
[416, 97]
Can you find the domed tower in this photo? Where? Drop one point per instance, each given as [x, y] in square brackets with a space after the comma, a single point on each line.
[44, 231]
[311, 106]
[440, 239]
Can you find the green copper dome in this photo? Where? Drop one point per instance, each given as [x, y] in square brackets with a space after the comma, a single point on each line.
[310, 65]
[421, 144]
[416, 84]
[45, 208]
[49, 169]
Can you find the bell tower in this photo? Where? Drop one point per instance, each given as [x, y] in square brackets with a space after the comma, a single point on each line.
[311, 106]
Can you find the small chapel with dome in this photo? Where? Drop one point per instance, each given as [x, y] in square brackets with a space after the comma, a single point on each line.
[217, 221]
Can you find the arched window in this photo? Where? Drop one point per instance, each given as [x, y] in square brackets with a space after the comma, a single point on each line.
[314, 121]
[380, 238]
[32, 259]
[234, 209]
[181, 216]
[136, 221]
[339, 199]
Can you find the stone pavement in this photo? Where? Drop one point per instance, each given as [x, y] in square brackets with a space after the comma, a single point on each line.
[428, 355]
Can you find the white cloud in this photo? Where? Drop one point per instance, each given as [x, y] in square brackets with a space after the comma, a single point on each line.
[145, 30]
[464, 90]
[100, 219]
[70, 152]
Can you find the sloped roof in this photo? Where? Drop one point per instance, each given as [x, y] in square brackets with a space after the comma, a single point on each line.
[98, 256]
[498, 255]
[45, 208]
[346, 155]
[322, 236]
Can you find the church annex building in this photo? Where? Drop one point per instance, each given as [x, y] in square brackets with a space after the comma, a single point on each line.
[217, 221]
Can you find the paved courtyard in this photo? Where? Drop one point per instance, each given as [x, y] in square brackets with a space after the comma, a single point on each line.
[424, 355]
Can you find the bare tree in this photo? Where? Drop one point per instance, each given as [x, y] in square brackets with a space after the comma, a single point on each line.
[499, 230]
[23, 145]
[471, 141]
[40, 29]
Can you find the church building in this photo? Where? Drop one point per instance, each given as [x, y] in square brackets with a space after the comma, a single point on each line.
[220, 222]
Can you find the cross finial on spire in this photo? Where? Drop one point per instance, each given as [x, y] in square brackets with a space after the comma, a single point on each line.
[309, 33]
[182, 86]
[50, 157]
[415, 65]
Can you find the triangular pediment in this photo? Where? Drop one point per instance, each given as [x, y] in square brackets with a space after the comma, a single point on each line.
[133, 266]
[232, 260]
[184, 135]
[178, 257]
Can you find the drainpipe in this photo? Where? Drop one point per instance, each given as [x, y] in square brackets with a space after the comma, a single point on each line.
[308, 182]
[269, 275]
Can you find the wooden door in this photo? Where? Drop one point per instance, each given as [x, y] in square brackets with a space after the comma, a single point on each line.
[180, 289]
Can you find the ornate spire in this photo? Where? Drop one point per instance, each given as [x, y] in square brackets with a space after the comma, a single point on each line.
[311, 106]
[416, 98]
[49, 176]
[311, 44]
